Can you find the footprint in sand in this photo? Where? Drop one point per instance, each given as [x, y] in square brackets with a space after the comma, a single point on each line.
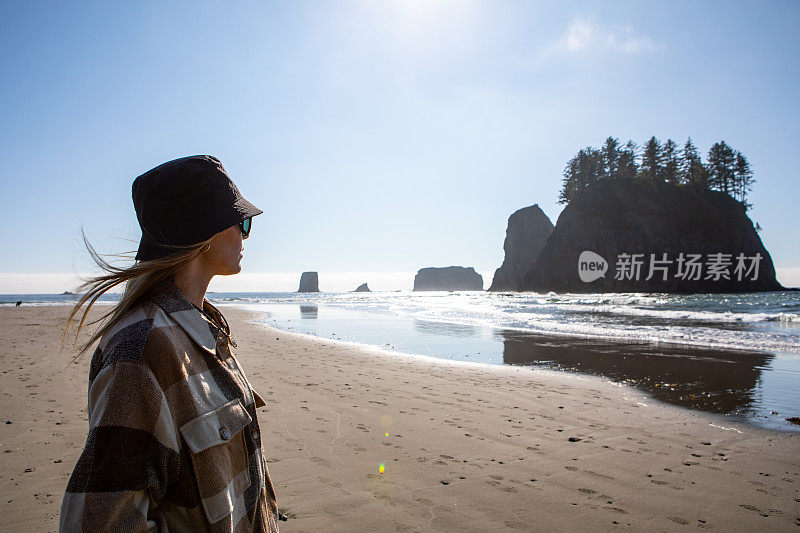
[759, 511]
[678, 520]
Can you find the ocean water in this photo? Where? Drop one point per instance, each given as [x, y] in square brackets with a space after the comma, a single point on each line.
[760, 321]
[735, 355]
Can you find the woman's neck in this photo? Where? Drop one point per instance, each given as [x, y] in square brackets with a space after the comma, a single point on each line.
[192, 280]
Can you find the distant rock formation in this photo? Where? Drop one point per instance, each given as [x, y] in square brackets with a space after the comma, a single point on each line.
[362, 288]
[309, 282]
[452, 278]
[528, 230]
[631, 236]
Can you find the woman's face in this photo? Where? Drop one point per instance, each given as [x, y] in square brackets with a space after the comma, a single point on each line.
[224, 257]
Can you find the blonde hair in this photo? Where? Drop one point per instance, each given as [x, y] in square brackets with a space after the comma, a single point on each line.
[139, 279]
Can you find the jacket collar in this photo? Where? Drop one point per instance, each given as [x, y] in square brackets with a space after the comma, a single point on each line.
[185, 314]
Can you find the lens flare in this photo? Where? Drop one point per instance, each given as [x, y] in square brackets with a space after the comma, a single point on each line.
[381, 468]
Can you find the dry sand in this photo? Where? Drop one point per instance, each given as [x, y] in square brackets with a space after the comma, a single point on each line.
[470, 447]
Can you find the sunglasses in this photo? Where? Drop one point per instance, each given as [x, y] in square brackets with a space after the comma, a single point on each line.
[244, 226]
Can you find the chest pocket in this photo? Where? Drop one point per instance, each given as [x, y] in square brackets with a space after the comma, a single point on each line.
[219, 458]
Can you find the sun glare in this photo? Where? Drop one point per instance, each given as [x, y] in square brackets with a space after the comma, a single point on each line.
[418, 21]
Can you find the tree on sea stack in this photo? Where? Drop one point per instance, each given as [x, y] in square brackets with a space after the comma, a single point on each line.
[627, 161]
[726, 170]
[721, 167]
[670, 159]
[584, 169]
[611, 157]
[742, 179]
[651, 168]
[692, 170]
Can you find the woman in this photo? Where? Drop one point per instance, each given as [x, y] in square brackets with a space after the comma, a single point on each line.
[174, 441]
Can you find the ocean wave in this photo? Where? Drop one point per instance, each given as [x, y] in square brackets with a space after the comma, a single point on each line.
[685, 314]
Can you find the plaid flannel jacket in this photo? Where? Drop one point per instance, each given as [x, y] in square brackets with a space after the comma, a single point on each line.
[174, 442]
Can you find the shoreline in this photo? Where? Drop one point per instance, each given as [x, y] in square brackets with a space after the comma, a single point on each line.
[523, 372]
[470, 448]
[726, 383]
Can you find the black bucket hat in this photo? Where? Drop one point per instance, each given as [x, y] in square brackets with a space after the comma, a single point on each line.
[184, 202]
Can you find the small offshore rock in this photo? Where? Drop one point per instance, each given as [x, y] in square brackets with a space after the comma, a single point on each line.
[452, 278]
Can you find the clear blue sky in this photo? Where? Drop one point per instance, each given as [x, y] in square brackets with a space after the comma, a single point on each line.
[378, 136]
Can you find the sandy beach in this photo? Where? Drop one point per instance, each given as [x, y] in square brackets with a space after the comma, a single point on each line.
[469, 447]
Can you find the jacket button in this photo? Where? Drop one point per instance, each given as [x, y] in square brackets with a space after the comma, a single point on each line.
[224, 433]
[255, 435]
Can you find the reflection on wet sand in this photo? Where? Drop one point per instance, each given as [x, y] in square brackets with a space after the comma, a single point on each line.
[715, 380]
[445, 328]
[308, 311]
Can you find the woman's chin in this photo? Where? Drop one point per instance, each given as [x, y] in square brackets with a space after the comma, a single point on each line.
[232, 270]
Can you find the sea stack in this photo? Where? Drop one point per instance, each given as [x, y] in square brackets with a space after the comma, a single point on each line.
[452, 278]
[634, 236]
[309, 282]
[362, 288]
[528, 230]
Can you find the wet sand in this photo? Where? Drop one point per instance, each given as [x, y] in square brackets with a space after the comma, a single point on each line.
[469, 447]
[755, 387]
